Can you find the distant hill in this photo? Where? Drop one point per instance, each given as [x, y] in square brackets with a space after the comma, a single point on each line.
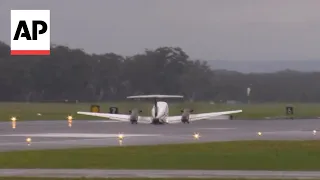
[265, 66]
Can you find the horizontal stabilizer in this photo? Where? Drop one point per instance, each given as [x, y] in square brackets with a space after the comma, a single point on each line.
[154, 96]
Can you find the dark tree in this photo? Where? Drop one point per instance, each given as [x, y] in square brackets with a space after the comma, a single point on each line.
[76, 75]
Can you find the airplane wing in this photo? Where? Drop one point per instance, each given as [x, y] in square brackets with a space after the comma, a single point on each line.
[117, 117]
[201, 116]
[154, 96]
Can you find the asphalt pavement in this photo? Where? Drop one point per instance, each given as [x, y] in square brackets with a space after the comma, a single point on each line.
[90, 133]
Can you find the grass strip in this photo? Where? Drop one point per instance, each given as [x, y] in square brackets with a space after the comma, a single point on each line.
[237, 155]
[59, 111]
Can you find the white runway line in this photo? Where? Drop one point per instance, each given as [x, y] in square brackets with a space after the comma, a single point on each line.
[125, 173]
[78, 135]
[49, 142]
[95, 121]
[288, 132]
[217, 128]
[74, 142]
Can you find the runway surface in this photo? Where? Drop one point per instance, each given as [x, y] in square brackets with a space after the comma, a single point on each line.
[57, 135]
[74, 173]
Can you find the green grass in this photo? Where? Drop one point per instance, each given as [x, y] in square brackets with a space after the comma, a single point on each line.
[245, 155]
[59, 111]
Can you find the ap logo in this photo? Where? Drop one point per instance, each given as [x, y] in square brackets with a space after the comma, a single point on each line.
[30, 32]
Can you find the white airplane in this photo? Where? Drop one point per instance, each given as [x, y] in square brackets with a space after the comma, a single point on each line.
[159, 113]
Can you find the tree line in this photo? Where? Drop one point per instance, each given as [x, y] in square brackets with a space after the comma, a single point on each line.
[73, 74]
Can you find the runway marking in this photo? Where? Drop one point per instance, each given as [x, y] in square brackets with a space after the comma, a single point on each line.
[81, 141]
[94, 121]
[78, 135]
[47, 142]
[74, 142]
[125, 173]
[286, 132]
[218, 128]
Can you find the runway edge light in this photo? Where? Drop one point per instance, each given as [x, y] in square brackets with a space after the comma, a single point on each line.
[120, 136]
[196, 135]
[69, 120]
[259, 133]
[28, 141]
[14, 123]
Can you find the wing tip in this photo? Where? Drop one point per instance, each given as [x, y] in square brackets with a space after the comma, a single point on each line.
[236, 111]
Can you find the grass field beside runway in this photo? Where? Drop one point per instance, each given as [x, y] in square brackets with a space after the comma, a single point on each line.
[237, 155]
[59, 111]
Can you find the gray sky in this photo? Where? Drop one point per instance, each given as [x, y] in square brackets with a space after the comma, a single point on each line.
[205, 29]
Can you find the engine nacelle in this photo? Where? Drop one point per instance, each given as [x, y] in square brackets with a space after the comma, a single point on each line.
[185, 119]
[134, 115]
[134, 121]
[185, 115]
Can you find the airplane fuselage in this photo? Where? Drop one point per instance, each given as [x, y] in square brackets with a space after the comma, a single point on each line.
[159, 115]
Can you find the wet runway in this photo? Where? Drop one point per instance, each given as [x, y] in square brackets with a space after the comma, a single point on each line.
[93, 173]
[57, 134]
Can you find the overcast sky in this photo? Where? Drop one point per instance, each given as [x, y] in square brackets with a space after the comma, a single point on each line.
[205, 29]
